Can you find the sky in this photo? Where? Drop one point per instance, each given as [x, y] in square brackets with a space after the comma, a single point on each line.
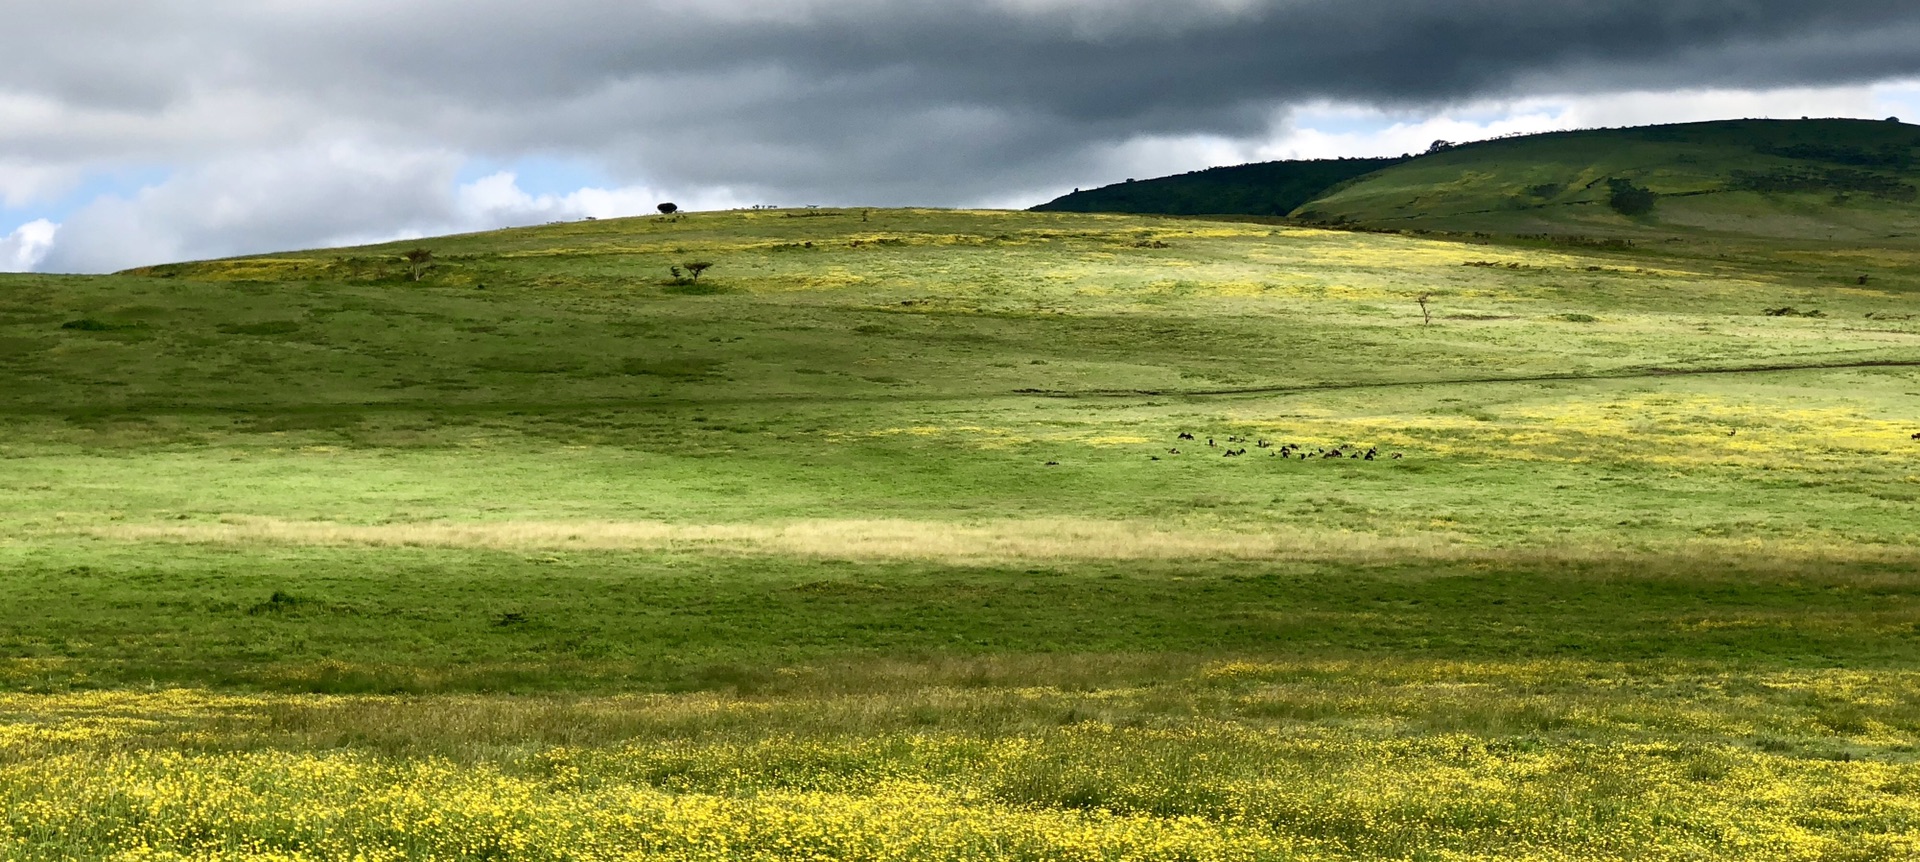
[134, 133]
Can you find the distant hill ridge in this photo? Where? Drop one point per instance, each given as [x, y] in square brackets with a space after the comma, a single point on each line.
[1785, 178]
[1266, 189]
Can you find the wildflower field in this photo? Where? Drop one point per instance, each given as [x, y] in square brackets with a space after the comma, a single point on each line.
[882, 541]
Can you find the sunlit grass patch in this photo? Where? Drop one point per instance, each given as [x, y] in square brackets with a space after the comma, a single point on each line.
[975, 543]
[1362, 759]
[1685, 429]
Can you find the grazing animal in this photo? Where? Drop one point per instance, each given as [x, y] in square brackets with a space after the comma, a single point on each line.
[1369, 456]
[1731, 433]
[1396, 456]
[1916, 436]
[1210, 443]
[1173, 451]
[1185, 436]
[1155, 457]
[1053, 463]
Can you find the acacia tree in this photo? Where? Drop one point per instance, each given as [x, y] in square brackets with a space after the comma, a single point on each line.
[694, 268]
[419, 258]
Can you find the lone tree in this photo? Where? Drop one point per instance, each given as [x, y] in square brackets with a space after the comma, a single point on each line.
[669, 208]
[694, 268]
[419, 258]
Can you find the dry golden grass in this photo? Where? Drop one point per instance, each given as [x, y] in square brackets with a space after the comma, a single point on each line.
[1000, 541]
[995, 541]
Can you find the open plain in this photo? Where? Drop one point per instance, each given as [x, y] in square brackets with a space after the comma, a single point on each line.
[882, 541]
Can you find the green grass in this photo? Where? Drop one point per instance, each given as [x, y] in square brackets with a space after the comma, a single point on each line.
[1787, 181]
[875, 543]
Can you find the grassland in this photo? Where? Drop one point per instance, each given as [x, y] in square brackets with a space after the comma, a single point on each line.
[1850, 181]
[872, 545]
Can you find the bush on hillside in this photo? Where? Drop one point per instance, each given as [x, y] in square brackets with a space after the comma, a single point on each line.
[1630, 200]
[1886, 156]
[1837, 180]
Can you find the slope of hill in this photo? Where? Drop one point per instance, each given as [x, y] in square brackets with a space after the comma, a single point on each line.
[1840, 179]
[1267, 189]
[1851, 180]
[915, 535]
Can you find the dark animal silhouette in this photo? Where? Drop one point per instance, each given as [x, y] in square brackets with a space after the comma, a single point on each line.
[1185, 436]
[1396, 456]
[1053, 463]
[1210, 443]
[1173, 451]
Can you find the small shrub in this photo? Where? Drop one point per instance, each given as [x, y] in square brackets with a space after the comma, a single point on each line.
[88, 324]
[1579, 318]
[279, 602]
[271, 327]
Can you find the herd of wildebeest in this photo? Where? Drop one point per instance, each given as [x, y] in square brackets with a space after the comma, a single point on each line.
[1286, 450]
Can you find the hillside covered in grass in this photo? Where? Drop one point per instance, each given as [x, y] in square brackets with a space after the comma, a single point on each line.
[915, 535]
[1265, 189]
[1845, 180]
[1841, 180]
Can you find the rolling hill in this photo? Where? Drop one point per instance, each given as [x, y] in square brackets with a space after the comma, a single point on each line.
[1267, 189]
[1850, 180]
[952, 536]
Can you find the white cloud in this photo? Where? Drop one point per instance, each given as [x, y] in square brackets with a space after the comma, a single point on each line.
[315, 196]
[23, 183]
[498, 200]
[22, 250]
[1372, 132]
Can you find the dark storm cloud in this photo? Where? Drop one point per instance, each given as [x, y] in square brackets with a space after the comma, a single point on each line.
[781, 93]
[882, 101]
